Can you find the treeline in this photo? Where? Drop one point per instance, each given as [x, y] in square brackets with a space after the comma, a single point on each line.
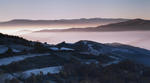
[124, 72]
[8, 39]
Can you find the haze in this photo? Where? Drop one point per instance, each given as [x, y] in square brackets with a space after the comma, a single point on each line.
[135, 38]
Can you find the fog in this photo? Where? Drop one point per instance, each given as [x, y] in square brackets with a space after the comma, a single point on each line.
[135, 38]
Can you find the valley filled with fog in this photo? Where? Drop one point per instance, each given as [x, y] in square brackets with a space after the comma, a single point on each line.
[135, 38]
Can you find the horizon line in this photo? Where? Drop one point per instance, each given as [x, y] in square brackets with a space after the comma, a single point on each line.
[71, 18]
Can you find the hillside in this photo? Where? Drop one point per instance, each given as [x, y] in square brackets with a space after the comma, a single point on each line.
[81, 62]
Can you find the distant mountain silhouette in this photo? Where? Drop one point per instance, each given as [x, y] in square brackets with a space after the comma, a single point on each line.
[130, 25]
[83, 22]
[136, 24]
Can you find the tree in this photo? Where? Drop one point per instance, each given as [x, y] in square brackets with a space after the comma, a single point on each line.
[14, 80]
[38, 47]
[31, 79]
[9, 51]
[47, 81]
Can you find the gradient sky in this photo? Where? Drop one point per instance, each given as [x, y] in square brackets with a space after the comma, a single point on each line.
[68, 9]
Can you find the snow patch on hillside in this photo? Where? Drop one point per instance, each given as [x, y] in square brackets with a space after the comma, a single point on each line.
[116, 58]
[5, 76]
[61, 49]
[93, 51]
[28, 73]
[66, 49]
[110, 63]
[15, 50]
[6, 61]
[3, 49]
[54, 48]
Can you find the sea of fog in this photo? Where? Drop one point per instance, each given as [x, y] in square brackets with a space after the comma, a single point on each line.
[135, 38]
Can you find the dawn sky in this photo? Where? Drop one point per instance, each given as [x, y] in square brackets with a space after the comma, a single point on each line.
[68, 9]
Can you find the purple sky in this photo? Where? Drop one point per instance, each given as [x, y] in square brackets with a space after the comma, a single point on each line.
[68, 9]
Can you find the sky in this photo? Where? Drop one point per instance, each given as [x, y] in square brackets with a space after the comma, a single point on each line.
[71, 9]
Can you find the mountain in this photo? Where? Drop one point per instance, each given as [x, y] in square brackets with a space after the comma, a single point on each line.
[23, 61]
[83, 22]
[130, 25]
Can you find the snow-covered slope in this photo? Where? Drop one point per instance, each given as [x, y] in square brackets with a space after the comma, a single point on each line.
[45, 71]
[3, 49]
[6, 61]
[119, 50]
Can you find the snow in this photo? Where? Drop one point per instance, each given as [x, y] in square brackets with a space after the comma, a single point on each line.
[15, 50]
[114, 57]
[5, 76]
[6, 61]
[28, 73]
[54, 48]
[93, 51]
[61, 49]
[67, 49]
[110, 63]
[90, 61]
[3, 49]
[85, 42]
[20, 47]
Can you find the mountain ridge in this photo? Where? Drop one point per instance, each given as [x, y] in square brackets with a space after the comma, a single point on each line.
[130, 25]
[61, 22]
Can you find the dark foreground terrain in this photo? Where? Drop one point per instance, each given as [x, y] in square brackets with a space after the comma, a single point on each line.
[23, 61]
